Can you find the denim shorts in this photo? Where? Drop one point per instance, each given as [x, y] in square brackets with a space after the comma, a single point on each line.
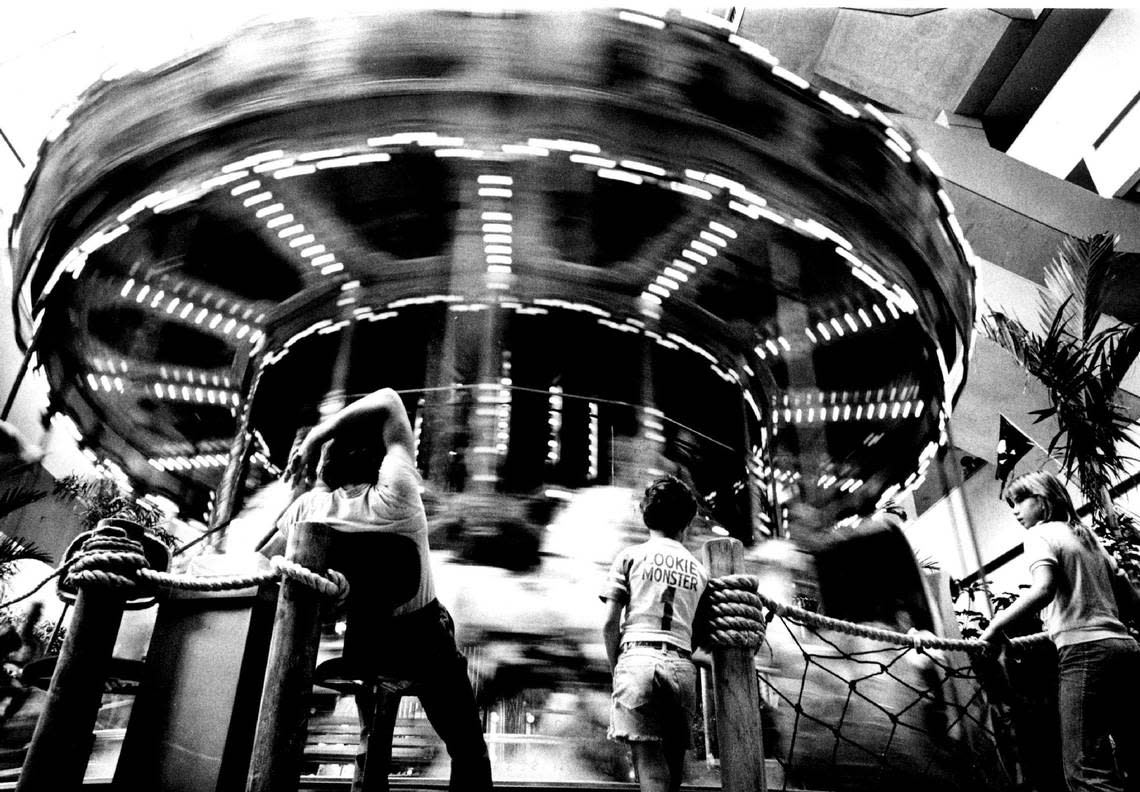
[654, 696]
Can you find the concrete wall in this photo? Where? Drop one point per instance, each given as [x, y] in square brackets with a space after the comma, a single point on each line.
[1013, 213]
[942, 532]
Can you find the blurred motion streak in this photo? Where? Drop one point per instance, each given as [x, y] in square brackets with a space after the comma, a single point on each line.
[588, 248]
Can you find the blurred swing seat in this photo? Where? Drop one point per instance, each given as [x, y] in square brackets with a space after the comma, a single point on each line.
[394, 741]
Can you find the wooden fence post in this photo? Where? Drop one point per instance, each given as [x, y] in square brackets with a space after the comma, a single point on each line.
[61, 744]
[278, 743]
[736, 692]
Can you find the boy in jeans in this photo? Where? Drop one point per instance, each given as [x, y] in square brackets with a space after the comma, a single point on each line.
[658, 584]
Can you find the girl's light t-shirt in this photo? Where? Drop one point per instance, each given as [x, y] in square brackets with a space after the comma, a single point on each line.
[1084, 606]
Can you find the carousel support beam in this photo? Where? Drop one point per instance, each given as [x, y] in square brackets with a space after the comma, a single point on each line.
[275, 765]
[61, 745]
[20, 374]
[245, 371]
[736, 692]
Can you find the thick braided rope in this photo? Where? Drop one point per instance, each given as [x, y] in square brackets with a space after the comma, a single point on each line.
[335, 585]
[113, 560]
[332, 584]
[737, 618]
[109, 559]
[916, 641]
[170, 580]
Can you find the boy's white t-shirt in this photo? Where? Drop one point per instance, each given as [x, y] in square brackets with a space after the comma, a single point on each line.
[392, 505]
[660, 584]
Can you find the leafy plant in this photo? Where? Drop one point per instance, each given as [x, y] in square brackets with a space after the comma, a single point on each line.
[1123, 547]
[1080, 366]
[99, 498]
[13, 549]
[17, 497]
[971, 622]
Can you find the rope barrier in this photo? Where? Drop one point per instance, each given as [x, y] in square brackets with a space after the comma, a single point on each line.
[63, 568]
[912, 640]
[737, 619]
[335, 585]
[170, 580]
[111, 559]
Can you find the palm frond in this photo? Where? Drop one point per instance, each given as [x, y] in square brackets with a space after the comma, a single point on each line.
[17, 497]
[1119, 353]
[1076, 282]
[1099, 254]
[1062, 361]
[1095, 428]
[1062, 300]
[97, 498]
[1080, 367]
[1012, 336]
[14, 549]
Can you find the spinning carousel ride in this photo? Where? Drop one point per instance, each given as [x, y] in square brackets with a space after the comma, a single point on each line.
[587, 248]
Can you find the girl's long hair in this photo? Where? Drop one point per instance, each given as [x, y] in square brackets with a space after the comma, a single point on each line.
[1058, 504]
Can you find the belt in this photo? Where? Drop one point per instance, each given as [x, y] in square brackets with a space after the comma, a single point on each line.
[661, 646]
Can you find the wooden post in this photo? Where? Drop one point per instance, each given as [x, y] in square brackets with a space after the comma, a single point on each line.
[736, 692]
[61, 745]
[279, 741]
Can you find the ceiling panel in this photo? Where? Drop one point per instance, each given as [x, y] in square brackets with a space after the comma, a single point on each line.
[918, 65]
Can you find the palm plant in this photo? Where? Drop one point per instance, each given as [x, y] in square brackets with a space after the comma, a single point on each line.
[1080, 366]
[15, 497]
[96, 498]
[13, 549]
[16, 455]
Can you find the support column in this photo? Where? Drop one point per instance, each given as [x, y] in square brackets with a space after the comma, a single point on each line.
[61, 745]
[279, 742]
[736, 692]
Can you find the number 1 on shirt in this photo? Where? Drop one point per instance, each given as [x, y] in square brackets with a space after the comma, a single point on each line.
[667, 608]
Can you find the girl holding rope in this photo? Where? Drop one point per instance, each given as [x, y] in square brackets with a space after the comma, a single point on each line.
[1099, 662]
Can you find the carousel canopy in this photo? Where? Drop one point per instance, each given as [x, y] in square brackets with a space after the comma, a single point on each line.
[634, 231]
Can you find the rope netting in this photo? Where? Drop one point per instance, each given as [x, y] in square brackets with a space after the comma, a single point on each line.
[856, 706]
